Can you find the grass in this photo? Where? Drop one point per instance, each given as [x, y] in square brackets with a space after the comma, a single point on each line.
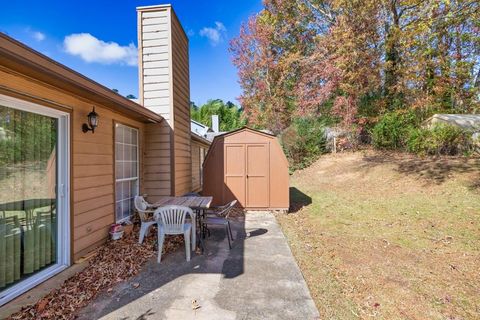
[388, 236]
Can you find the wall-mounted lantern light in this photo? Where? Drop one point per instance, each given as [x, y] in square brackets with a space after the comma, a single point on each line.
[92, 122]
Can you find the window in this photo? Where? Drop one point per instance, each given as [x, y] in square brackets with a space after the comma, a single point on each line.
[126, 170]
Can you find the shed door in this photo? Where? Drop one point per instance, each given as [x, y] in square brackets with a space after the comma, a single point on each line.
[257, 162]
[234, 173]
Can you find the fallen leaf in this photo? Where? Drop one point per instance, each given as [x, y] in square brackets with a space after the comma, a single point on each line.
[113, 262]
[195, 305]
[42, 304]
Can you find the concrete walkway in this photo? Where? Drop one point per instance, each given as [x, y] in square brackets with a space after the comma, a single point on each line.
[257, 279]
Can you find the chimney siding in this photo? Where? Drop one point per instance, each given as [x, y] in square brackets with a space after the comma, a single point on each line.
[165, 89]
[154, 38]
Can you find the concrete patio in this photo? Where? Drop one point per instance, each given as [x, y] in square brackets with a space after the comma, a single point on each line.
[257, 279]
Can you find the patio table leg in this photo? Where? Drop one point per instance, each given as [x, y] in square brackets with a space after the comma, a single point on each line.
[194, 231]
[200, 239]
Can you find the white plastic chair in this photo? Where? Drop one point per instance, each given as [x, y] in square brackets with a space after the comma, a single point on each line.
[144, 210]
[171, 221]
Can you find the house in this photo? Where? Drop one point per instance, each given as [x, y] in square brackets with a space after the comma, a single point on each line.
[73, 153]
[199, 129]
[199, 147]
[469, 122]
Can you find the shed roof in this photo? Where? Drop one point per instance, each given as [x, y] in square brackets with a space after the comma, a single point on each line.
[230, 133]
[464, 121]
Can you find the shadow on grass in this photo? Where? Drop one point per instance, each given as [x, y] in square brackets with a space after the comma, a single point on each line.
[434, 169]
[298, 200]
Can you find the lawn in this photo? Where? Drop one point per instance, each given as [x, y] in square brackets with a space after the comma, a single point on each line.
[388, 236]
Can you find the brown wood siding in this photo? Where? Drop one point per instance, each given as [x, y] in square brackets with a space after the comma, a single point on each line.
[213, 172]
[157, 161]
[92, 158]
[181, 108]
[196, 186]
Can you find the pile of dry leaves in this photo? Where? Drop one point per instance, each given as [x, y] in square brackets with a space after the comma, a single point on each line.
[114, 262]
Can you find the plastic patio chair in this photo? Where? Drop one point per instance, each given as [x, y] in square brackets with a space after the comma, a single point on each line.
[171, 221]
[219, 217]
[144, 210]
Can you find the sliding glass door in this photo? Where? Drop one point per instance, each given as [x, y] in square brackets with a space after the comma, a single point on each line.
[33, 185]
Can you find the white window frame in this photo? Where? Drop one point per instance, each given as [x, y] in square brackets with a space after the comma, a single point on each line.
[137, 178]
[63, 196]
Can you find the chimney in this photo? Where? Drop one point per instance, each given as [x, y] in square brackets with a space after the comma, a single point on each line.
[215, 123]
[164, 88]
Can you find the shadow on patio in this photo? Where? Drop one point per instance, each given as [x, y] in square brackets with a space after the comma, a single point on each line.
[160, 282]
[258, 278]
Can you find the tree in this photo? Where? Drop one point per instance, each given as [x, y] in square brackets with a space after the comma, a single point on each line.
[344, 67]
[230, 116]
[354, 60]
[267, 54]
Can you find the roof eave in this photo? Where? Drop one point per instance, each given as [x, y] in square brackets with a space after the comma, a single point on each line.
[198, 138]
[22, 59]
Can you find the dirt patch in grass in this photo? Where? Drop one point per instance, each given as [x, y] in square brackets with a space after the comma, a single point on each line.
[388, 236]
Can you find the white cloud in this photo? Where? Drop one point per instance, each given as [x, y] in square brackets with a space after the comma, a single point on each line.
[216, 34]
[91, 49]
[39, 36]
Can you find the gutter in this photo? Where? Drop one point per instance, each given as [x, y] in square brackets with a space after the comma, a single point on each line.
[200, 139]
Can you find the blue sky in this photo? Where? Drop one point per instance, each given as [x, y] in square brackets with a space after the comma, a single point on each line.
[47, 25]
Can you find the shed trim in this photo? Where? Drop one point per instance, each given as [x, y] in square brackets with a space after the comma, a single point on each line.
[229, 133]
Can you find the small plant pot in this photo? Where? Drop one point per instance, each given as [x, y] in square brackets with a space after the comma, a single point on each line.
[116, 235]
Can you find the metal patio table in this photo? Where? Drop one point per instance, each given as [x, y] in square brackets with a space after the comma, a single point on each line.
[198, 205]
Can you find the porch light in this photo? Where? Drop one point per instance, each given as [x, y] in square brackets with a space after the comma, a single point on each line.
[92, 122]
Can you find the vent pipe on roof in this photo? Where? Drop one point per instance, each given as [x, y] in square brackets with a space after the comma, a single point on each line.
[215, 123]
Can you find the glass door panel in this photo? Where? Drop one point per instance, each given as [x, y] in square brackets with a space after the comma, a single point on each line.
[28, 194]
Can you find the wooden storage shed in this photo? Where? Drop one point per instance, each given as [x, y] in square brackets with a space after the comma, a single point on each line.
[249, 166]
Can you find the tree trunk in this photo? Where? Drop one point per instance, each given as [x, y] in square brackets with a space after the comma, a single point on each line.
[392, 57]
